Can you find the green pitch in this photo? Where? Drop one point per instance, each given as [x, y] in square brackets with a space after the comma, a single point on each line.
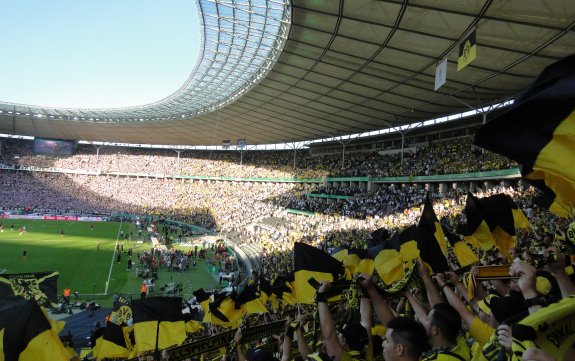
[94, 273]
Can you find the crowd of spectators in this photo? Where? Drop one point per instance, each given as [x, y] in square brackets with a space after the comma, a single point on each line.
[258, 213]
[440, 157]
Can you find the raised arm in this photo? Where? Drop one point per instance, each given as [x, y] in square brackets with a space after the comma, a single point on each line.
[327, 324]
[433, 294]
[365, 312]
[420, 311]
[454, 300]
[302, 346]
[382, 309]
[239, 350]
[286, 347]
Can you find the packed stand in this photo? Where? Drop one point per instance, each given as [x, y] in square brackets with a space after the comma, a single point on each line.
[450, 156]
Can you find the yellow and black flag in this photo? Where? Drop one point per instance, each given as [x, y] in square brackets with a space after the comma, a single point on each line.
[113, 343]
[463, 253]
[96, 340]
[355, 261]
[283, 289]
[311, 262]
[158, 321]
[249, 301]
[548, 199]
[223, 311]
[26, 334]
[539, 133]
[121, 312]
[478, 232]
[431, 240]
[203, 299]
[502, 217]
[40, 286]
[210, 305]
[395, 256]
[467, 51]
[265, 289]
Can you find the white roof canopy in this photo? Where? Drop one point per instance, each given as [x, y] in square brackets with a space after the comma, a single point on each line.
[274, 71]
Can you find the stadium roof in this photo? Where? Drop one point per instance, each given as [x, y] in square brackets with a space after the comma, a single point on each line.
[278, 71]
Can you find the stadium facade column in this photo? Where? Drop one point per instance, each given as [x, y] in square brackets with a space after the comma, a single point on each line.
[362, 186]
[442, 188]
[488, 185]
[474, 186]
[371, 185]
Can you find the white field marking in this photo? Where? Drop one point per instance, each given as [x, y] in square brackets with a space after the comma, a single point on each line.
[113, 259]
[3, 270]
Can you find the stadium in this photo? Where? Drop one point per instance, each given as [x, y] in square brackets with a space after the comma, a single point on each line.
[335, 180]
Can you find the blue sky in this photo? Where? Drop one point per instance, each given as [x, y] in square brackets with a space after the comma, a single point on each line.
[94, 54]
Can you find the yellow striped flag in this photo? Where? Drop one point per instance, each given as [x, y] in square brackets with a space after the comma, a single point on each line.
[395, 255]
[113, 342]
[249, 301]
[27, 335]
[502, 217]
[539, 133]
[431, 239]
[158, 321]
[311, 262]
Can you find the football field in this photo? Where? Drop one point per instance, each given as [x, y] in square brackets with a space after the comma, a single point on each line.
[85, 258]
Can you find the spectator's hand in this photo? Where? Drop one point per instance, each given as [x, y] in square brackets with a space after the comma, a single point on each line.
[527, 275]
[452, 277]
[559, 264]
[278, 339]
[474, 271]
[287, 323]
[535, 354]
[440, 280]
[238, 336]
[504, 336]
[324, 287]
[367, 282]
[422, 269]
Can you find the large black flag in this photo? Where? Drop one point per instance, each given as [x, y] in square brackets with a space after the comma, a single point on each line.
[39, 286]
[539, 133]
[27, 335]
[431, 240]
[311, 262]
[161, 314]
